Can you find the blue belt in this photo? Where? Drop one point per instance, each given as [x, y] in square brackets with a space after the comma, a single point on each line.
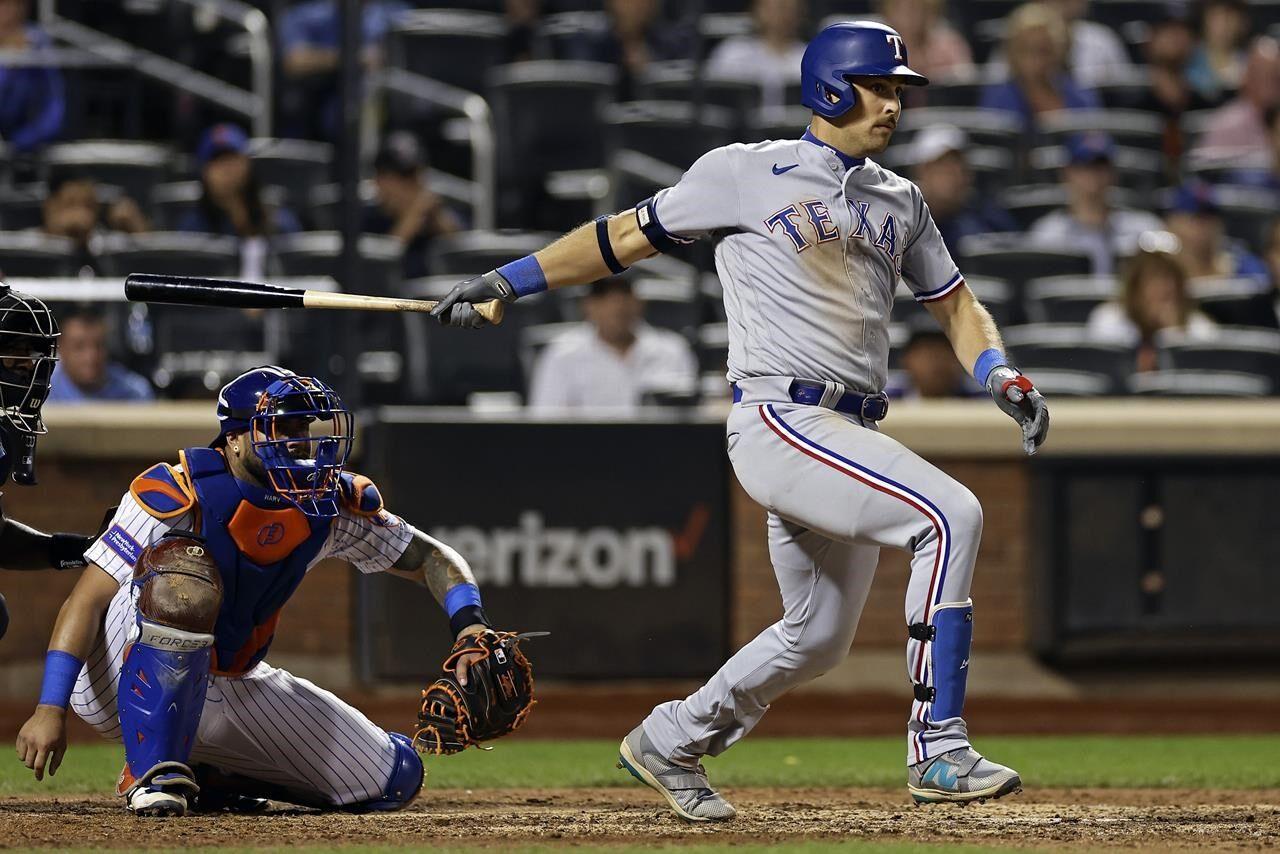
[868, 407]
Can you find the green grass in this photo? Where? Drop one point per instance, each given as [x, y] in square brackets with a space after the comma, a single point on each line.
[1225, 762]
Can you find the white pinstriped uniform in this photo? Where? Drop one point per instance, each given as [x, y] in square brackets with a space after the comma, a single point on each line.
[266, 724]
[809, 246]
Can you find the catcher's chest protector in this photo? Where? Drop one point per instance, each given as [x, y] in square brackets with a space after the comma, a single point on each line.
[262, 545]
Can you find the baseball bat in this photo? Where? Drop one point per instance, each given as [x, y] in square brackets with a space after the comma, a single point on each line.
[229, 293]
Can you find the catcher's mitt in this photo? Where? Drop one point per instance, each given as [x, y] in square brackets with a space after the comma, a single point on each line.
[496, 700]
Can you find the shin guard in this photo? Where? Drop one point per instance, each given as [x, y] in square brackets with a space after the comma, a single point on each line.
[950, 636]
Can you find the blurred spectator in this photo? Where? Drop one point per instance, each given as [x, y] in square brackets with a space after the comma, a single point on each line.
[72, 209]
[406, 208]
[310, 44]
[522, 28]
[1169, 92]
[1153, 297]
[613, 360]
[937, 50]
[771, 57]
[941, 171]
[1216, 66]
[231, 200]
[85, 372]
[1239, 127]
[930, 369]
[636, 37]
[1206, 250]
[32, 100]
[1035, 44]
[1097, 54]
[1261, 172]
[1089, 222]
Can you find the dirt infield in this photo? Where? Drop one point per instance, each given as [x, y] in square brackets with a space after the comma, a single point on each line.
[1140, 819]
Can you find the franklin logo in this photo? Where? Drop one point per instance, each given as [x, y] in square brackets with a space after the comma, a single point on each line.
[269, 535]
[196, 551]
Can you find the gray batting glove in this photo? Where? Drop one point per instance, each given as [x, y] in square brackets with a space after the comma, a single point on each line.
[1019, 399]
[458, 306]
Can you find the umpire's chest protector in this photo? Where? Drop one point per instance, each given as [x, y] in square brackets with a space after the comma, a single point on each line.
[263, 547]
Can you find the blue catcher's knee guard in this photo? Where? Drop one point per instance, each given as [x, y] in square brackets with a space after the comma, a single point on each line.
[405, 781]
[950, 637]
[161, 695]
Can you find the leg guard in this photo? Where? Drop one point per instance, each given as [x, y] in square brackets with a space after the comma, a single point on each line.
[166, 668]
[950, 636]
[405, 782]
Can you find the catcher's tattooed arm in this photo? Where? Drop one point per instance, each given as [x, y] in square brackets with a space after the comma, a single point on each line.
[440, 569]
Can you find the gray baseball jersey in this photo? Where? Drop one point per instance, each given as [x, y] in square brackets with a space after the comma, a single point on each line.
[810, 246]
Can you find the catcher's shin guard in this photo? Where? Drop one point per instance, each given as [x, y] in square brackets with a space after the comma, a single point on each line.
[950, 636]
[405, 781]
[161, 695]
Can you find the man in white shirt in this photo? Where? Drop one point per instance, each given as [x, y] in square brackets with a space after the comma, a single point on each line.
[614, 359]
[770, 57]
[1089, 223]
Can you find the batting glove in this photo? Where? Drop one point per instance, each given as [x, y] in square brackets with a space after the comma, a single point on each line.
[458, 307]
[1019, 399]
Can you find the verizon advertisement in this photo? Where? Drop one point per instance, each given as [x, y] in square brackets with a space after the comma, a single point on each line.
[613, 537]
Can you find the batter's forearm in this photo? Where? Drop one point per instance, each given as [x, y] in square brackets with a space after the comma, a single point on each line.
[577, 258]
[968, 326]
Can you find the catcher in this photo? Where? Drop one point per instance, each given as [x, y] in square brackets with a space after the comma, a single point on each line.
[162, 643]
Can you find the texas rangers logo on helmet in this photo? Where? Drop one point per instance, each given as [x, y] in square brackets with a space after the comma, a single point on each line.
[895, 40]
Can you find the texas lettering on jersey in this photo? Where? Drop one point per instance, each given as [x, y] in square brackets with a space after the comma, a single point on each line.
[820, 229]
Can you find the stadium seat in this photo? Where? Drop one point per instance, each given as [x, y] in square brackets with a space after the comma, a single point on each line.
[676, 81]
[634, 176]
[670, 304]
[1247, 214]
[1124, 92]
[1067, 347]
[984, 127]
[1240, 349]
[21, 207]
[1007, 258]
[134, 167]
[179, 253]
[1026, 203]
[1199, 384]
[522, 96]
[713, 347]
[672, 133]
[319, 253]
[956, 91]
[296, 165]
[558, 33]
[1238, 302]
[1137, 169]
[471, 253]
[30, 253]
[1056, 382]
[452, 46]
[788, 123]
[1067, 299]
[1133, 128]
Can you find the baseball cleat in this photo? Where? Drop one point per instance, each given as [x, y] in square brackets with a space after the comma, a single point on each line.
[155, 802]
[960, 776]
[686, 789]
[162, 791]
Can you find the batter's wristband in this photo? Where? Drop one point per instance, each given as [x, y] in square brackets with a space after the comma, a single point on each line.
[606, 248]
[525, 275]
[987, 362]
[61, 669]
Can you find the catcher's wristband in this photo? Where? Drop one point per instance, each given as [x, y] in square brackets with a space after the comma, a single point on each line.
[61, 669]
[462, 604]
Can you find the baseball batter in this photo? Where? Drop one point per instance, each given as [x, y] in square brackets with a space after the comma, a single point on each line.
[811, 238]
[162, 644]
[28, 349]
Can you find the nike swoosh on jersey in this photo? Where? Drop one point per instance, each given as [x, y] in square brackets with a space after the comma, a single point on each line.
[779, 171]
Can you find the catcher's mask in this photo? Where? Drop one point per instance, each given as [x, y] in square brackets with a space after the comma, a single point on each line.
[299, 429]
[28, 351]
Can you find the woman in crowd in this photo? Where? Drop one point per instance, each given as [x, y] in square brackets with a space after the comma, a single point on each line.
[1153, 297]
[1036, 46]
[1217, 63]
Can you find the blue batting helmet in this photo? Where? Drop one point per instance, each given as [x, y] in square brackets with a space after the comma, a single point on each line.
[299, 429]
[851, 49]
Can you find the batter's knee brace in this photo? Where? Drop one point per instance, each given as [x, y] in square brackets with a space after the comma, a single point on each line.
[405, 782]
[949, 636]
[166, 668]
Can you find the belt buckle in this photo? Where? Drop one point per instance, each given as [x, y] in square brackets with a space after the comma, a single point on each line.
[874, 407]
